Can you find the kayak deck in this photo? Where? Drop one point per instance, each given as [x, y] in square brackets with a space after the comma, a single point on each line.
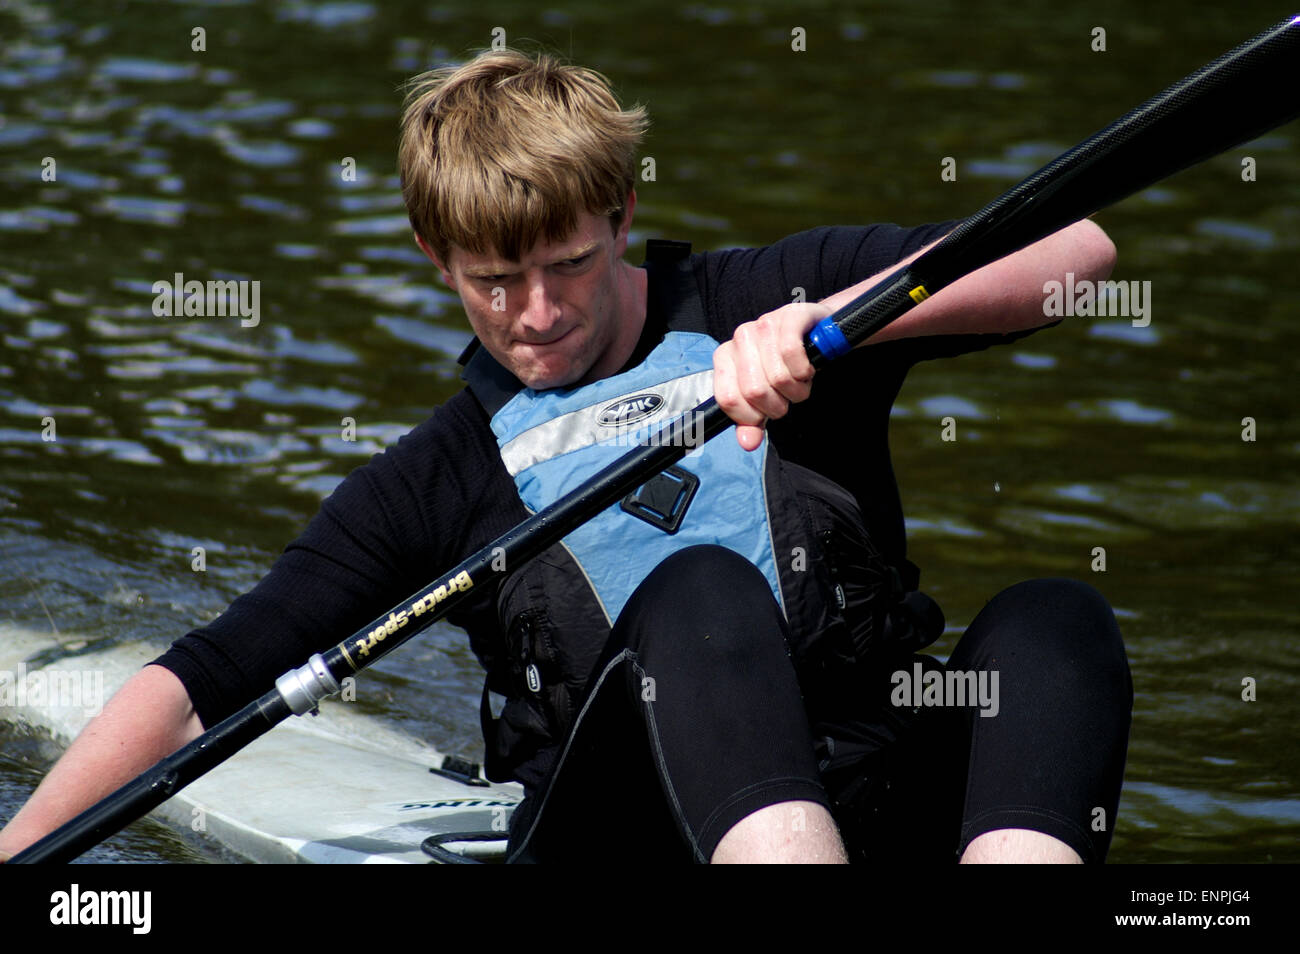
[338, 788]
[301, 795]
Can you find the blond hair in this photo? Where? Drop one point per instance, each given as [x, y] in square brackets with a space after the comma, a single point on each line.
[509, 149]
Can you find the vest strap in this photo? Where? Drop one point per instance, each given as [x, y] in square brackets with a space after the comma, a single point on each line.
[673, 291]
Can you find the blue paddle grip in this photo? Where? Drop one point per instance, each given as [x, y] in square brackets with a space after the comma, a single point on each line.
[828, 338]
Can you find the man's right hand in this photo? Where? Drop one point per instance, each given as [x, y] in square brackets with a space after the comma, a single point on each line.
[764, 368]
[148, 719]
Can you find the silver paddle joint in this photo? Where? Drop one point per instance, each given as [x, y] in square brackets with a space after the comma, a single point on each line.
[303, 688]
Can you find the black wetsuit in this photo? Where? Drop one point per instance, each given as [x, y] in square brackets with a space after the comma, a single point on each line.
[442, 492]
[694, 723]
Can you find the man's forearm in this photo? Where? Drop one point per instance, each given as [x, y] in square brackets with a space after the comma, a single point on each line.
[149, 718]
[1003, 296]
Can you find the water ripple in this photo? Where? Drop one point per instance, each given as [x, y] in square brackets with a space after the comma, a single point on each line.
[264, 153]
[393, 290]
[281, 395]
[951, 404]
[181, 365]
[129, 452]
[397, 224]
[205, 445]
[326, 16]
[1238, 232]
[137, 208]
[1124, 331]
[272, 206]
[144, 70]
[1034, 361]
[310, 128]
[1130, 412]
[36, 219]
[15, 304]
[314, 352]
[446, 341]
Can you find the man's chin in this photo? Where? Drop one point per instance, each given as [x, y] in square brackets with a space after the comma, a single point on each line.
[543, 379]
[556, 373]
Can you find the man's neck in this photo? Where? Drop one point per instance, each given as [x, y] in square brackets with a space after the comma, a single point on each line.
[632, 288]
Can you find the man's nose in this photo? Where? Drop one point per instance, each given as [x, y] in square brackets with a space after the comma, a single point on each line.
[541, 311]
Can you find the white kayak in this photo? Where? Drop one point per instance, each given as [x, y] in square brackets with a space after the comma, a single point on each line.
[338, 788]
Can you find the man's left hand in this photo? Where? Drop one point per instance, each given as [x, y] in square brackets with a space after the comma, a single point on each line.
[764, 368]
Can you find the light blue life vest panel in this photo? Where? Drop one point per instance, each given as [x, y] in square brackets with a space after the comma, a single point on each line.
[552, 441]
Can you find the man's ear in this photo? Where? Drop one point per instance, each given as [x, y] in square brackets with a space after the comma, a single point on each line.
[433, 257]
[621, 233]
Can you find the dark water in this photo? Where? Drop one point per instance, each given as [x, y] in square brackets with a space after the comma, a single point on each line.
[225, 164]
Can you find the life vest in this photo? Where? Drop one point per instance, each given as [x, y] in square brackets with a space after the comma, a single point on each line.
[552, 441]
[801, 530]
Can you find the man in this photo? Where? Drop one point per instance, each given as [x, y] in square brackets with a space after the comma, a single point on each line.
[714, 648]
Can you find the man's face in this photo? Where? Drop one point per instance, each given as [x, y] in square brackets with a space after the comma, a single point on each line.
[560, 315]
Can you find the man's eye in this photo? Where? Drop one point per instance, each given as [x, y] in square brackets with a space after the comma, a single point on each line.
[575, 262]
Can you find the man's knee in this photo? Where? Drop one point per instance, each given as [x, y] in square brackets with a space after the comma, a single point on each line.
[707, 601]
[1059, 598]
[1066, 624]
[706, 572]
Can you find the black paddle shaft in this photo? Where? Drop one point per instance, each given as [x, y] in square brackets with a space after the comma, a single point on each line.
[1240, 95]
[375, 640]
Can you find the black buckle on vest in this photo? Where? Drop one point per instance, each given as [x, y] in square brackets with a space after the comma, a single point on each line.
[662, 500]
